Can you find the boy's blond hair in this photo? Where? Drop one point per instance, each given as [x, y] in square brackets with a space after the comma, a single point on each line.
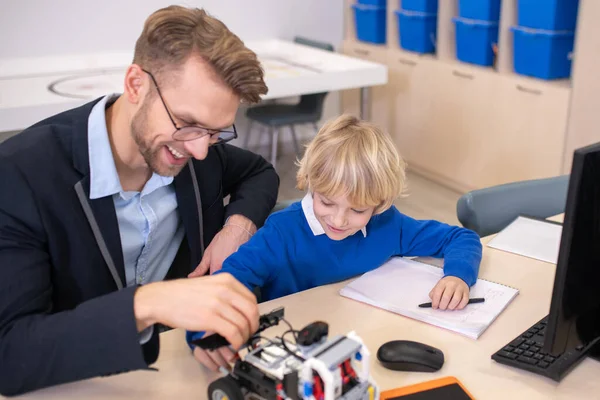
[353, 158]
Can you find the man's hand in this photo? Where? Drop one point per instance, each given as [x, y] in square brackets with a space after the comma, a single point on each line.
[216, 303]
[450, 293]
[236, 232]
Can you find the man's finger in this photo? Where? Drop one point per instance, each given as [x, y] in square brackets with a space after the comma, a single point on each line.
[228, 330]
[195, 273]
[202, 267]
[235, 317]
[215, 265]
[248, 309]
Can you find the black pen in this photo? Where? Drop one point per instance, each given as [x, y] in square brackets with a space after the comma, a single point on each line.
[471, 301]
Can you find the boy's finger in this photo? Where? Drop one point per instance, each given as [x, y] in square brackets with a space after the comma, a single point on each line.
[437, 293]
[227, 354]
[456, 300]
[464, 301]
[204, 359]
[217, 358]
[446, 298]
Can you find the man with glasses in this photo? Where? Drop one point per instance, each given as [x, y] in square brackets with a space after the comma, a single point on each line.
[106, 209]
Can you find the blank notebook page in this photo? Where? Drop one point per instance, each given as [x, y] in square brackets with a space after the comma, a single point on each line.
[531, 238]
[400, 285]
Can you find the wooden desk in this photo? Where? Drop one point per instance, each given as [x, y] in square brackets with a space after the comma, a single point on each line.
[469, 360]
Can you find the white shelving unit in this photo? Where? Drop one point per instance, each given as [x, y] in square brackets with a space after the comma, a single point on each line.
[464, 125]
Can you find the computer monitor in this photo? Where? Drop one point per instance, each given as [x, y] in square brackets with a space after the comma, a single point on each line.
[571, 331]
[574, 319]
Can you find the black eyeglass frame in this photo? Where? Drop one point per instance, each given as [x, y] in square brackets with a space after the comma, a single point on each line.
[195, 132]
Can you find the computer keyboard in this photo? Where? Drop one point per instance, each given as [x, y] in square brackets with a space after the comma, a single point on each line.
[525, 352]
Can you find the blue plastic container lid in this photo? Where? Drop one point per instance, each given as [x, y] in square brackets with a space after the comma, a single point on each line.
[538, 32]
[373, 2]
[365, 7]
[475, 22]
[415, 14]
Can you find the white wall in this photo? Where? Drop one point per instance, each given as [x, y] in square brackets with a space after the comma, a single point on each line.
[53, 27]
[33, 28]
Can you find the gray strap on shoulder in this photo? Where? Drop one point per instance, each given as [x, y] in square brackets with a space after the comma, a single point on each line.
[198, 203]
[97, 234]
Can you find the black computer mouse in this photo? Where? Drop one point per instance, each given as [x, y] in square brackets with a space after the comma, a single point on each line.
[312, 333]
[404, 355]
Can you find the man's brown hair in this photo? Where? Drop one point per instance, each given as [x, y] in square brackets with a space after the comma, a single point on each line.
[172, 34]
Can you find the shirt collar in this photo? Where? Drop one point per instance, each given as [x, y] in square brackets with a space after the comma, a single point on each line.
[311, 218]
[104, 179]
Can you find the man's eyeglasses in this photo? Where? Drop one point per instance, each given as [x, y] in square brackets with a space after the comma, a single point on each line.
[192, 132]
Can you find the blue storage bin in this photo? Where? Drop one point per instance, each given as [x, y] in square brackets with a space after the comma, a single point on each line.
[425, 6]
[380, 3]
[370, 22]
[552, 15]
[417, 31]
[542, 54]
[475, 40]
[486, 10]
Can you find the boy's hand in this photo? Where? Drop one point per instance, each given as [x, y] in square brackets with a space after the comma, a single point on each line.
[213, 359]
[450, 293]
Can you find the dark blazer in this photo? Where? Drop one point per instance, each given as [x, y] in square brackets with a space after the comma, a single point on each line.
[64, 314]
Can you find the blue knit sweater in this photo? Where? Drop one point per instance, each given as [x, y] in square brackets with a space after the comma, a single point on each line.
[285, 256]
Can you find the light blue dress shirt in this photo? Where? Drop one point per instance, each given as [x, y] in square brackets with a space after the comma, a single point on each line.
[150, 227]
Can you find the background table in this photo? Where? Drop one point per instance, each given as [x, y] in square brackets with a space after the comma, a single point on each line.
[33, 89]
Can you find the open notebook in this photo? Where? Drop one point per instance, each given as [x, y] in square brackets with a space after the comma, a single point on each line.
[400, 285]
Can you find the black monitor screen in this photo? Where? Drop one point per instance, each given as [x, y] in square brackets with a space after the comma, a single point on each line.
[575, 310]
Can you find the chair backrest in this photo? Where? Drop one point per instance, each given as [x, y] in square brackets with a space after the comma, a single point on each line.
[313, 43]
[280, 205]
[488, 211]
[313, 103]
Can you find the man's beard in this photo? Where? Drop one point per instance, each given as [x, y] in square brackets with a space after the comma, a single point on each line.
[139, 125]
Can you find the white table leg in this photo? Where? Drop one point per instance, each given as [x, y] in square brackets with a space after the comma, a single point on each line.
[365, 103]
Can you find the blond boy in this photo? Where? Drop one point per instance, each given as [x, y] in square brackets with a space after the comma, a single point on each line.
[347, 225]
